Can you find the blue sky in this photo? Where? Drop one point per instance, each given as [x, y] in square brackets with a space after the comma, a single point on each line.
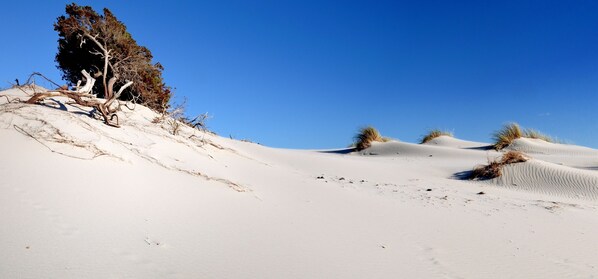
[308, 74]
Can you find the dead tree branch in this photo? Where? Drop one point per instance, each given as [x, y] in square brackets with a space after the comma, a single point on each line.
[83, 96]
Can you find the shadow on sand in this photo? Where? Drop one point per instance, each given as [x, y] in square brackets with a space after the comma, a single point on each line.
[61, 106]
[487, 147]
[462, 175]
[339, 151]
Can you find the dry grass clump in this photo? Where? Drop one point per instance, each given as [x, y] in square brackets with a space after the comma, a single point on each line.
[434, 134]
[505, 136]
[175, 117]
[513, 157]
[512, 131]
[366, 136]
[494, 168]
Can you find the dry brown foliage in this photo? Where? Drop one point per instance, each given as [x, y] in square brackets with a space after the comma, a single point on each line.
[494, 168]
[366, 136]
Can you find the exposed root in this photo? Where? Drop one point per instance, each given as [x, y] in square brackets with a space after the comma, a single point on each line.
[62, 139]
[26, 120]
[9, 101]
[229, 183]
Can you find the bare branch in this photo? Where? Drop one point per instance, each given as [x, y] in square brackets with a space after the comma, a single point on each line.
[96, 53]
[120, 91]
[88, 83]
[110, 88]
[39, 74]
[95, 40]
[82, 96]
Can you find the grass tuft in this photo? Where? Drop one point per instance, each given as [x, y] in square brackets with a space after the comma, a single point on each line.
[512, 131]
[434, 134]
[505, 136]
[366, 136]
[494, 168]
[513, 157]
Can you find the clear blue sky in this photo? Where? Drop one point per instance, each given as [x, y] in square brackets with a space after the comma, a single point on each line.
[307, 74]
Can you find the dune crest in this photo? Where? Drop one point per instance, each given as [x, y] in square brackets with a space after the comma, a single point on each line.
[448, 141]
[538, 146]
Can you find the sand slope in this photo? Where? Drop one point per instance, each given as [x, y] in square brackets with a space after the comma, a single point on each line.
[549, 178]
[79, 199]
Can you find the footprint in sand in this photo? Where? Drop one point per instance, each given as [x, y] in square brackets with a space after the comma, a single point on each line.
[159, 269]
[60, 227]
[432, 256]
[573, 269]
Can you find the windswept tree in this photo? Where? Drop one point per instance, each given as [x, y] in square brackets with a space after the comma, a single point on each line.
[101, 45]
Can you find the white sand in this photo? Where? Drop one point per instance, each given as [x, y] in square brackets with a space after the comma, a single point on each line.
[457, 143]
[86, 200]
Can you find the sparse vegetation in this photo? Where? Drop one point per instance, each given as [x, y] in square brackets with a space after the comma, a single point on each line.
[535, 134]
[175, 117]
[366, 136]
[434, 134]
[494, 168]
[505, 136]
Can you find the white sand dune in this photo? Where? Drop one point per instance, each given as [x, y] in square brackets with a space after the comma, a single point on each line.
[79, 199]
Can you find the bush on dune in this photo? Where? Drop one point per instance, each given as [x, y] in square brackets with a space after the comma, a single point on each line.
[366, 136]
[492, 170]
[91, 47]
[434, 134]
[505, 136]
